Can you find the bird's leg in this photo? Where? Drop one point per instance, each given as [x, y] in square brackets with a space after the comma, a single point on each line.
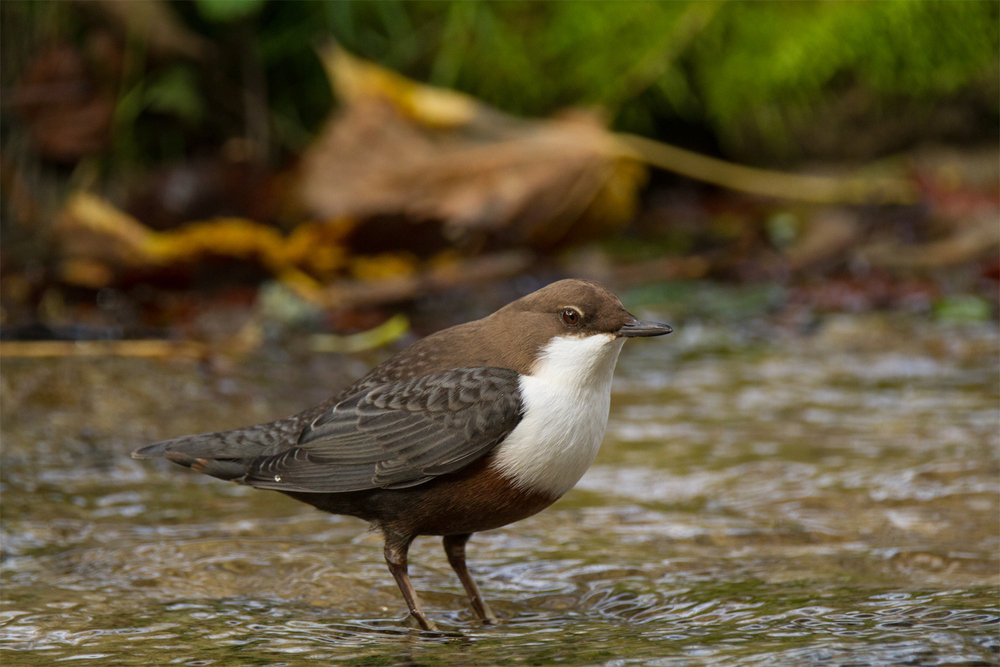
[395, 557]
[454, 547]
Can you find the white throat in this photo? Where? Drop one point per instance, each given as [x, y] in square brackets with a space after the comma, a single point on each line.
[566, 399]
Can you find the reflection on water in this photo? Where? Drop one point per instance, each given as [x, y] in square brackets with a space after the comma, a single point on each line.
[822, 500]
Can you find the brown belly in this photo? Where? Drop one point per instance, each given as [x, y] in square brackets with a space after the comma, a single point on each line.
[473, 499]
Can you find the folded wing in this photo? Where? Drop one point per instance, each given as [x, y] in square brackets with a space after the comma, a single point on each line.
[397, 435]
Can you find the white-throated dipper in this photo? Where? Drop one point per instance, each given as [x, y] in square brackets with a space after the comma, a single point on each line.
[468, 429]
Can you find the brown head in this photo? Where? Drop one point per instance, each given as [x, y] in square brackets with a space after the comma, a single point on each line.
[577, 308]
[513, 336]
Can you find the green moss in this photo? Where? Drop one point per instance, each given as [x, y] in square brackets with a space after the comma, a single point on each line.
[742, 68]
[749, 76]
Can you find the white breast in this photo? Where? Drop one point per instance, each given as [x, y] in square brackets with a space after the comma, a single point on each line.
[566, 400]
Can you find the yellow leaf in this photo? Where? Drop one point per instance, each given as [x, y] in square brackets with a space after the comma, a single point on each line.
[386, 265]
[355, 79]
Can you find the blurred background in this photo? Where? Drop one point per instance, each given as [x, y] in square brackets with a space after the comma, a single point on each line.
[217, 213]
[167, 161]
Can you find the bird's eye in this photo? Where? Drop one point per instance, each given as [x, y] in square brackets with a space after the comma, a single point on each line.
[571, 317]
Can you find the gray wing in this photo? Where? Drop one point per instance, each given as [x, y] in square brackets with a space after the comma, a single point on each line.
[398, 434]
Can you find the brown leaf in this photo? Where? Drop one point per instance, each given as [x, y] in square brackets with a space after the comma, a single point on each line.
[399, 148]
[156, 23]
[93, 229]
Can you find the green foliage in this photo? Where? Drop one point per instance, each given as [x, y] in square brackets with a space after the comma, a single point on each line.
[766, 63]
[962, 308]
[228, 10]
[745, 75]
[737, 67]
[175, 92]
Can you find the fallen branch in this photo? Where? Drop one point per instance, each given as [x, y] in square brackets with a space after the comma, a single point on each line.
[101, 348]
[815, 189]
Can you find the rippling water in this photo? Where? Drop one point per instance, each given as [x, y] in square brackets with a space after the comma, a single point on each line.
[820, 500]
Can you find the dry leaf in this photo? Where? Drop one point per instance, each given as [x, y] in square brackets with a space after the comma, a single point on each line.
[399, 148]
[157, 24]
[93, 229]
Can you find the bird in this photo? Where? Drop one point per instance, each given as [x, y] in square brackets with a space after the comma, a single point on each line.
[468, 429]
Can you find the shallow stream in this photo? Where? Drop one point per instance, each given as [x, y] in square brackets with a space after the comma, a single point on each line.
[820, 499]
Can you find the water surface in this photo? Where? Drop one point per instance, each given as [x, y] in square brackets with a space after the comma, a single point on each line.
[822, 499]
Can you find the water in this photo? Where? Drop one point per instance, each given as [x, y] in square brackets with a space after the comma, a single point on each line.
[829, 499]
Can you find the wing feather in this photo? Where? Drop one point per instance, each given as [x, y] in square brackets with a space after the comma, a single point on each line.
[398, 434]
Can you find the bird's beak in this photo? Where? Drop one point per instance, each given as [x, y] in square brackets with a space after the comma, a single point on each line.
[637, 328]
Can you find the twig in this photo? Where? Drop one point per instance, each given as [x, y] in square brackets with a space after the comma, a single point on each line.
[816, 189]
[101, 348]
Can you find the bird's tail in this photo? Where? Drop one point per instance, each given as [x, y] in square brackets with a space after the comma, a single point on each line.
[224, 454]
